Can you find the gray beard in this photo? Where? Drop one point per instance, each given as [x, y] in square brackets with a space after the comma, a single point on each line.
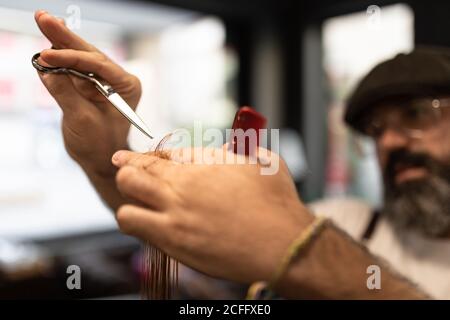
[423, 205]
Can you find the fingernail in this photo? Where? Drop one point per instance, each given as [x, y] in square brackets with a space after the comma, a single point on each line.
[40, 13]
[116, 157]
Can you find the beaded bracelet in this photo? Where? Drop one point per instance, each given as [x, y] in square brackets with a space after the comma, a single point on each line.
[263, 289]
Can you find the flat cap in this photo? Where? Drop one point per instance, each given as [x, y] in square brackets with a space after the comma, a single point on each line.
[425, 71]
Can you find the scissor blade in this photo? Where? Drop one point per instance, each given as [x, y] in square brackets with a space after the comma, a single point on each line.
[128, 113]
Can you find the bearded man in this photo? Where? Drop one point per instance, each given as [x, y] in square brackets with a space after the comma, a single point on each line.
[403, 104]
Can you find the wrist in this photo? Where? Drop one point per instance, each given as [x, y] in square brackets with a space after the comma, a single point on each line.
[301, 276]
[297, 219]
[283, 278]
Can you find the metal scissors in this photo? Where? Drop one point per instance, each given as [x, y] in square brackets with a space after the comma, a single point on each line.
[105, 89]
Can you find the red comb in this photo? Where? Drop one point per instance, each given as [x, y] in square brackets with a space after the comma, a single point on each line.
[247, 118]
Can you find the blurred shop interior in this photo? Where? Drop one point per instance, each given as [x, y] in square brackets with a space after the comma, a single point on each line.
[198, 60]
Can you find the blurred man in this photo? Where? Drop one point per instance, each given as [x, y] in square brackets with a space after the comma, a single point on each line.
[404, 105]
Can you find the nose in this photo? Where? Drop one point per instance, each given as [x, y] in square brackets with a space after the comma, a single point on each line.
[391, 139]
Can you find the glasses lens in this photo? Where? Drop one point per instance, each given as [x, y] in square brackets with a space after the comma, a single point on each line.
[419, 114]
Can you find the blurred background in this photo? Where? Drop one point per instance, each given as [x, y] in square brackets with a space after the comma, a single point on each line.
[198, 60]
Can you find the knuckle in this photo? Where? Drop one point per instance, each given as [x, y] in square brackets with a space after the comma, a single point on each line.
[122, 217]
[183, 233]
[175, 240]
[65, 42]
[135, 80]
[140, 160]
[124, 176]
[101, 60]
[175, 225]
[100, 56]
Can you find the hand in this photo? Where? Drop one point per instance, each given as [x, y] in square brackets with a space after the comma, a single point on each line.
[226, 220]
[93, 129]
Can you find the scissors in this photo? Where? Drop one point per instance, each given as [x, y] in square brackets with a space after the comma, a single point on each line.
[105, 89]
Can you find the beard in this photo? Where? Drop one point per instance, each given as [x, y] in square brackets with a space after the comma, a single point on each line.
[421, 204]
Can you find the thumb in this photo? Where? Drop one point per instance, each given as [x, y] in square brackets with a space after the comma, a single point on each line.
[140, 160]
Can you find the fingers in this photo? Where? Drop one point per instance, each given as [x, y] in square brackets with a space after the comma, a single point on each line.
[58, 34]
[139, 185]
[125, 157]
[144, 224]
[65, 94]
[85, 61]
[139, 160]
[198, 155]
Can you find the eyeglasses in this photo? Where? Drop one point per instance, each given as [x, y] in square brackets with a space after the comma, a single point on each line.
[410, 118]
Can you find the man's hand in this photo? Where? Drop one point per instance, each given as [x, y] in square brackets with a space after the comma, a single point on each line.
[93, 129]
[226, 220]
[229, 221]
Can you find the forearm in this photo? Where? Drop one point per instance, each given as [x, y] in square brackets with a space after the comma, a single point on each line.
[333, 266]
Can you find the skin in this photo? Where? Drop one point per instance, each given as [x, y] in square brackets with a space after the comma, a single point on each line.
[247, 210]
[429, 143]
[84, 108]
[224, 220]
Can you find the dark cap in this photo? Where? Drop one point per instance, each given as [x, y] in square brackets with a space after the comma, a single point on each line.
[423, 72]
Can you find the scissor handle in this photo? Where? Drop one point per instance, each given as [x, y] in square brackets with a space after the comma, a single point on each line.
[41, 68]
[105, 89]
